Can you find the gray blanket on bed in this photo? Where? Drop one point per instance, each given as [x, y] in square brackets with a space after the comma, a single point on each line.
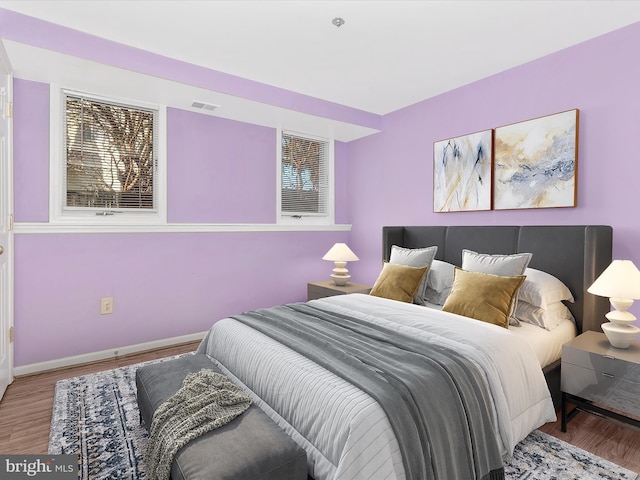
[435, 400]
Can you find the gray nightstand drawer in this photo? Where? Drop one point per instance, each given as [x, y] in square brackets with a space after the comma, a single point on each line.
[602, 363]
[593, 350]
[601, 387]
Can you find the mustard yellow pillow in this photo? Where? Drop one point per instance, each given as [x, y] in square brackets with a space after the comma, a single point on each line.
[483, 296]
[398, 282]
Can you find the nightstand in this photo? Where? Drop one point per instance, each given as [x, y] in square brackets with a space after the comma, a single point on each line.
[594, 371]
[327, 288]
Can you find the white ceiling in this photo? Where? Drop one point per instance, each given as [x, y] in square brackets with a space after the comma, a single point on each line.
[388, 54]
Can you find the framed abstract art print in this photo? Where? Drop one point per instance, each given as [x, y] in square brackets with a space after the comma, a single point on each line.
[462, 173]
[535, 163]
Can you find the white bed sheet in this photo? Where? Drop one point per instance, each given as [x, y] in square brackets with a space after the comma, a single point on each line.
[546, 344]
[332, 421]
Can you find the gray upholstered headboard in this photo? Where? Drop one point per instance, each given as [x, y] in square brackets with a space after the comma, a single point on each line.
[575, 254]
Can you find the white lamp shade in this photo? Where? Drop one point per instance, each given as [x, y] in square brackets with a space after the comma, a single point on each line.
[621, 279]
[340, 253]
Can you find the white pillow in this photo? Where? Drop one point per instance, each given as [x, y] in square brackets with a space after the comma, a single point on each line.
[505, 265]
[439, 282]
[541, 289]
[547, 318]
[440, 277]
[436, 298]
[414, 257]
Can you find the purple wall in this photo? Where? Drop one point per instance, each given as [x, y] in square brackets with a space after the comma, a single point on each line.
[163, 284]
[391, 173]
[221, 171]
[31, 151]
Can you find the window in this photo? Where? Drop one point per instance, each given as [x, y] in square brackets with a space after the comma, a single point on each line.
[305, 173]
[109, 159]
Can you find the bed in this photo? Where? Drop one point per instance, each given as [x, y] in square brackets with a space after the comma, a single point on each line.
[349, 432]
[576, 255]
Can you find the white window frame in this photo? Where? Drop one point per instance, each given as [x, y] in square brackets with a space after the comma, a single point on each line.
[286, 218]
[58, 164]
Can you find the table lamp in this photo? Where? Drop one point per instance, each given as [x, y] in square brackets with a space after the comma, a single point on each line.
[621, 283]
[340, 254]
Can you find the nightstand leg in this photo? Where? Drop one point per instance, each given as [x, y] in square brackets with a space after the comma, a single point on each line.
[563, 426]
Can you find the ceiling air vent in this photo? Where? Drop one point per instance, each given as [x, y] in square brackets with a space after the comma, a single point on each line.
[204, 106]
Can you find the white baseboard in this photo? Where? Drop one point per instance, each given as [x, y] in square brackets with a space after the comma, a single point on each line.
[104, 354]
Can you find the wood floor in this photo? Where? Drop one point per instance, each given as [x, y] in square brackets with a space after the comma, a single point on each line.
[27, 405]
[601, 437]
[25, 414]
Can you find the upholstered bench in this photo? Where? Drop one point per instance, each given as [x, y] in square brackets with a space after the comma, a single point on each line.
[250, 447]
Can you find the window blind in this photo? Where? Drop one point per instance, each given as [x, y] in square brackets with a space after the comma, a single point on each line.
[305, 176]
[110, 155]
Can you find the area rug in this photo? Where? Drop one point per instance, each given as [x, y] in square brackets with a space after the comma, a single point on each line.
[96, 416]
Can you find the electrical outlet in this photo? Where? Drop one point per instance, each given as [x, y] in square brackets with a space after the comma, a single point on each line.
[106, 305]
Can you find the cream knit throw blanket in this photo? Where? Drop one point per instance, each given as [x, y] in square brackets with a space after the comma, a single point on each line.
[206, 401]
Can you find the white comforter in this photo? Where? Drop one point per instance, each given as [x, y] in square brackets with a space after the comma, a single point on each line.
[344, 431]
